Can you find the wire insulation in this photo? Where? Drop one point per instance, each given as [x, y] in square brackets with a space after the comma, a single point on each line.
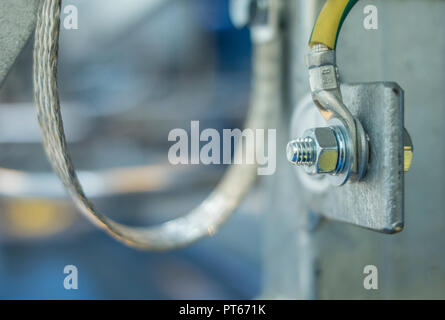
[328, 25]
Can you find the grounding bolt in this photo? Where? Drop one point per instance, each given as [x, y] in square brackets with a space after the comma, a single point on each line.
[322, 150]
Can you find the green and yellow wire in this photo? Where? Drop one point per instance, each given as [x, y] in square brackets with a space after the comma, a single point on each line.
[329, 22]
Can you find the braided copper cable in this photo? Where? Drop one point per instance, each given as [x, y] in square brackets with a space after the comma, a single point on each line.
[213, 211]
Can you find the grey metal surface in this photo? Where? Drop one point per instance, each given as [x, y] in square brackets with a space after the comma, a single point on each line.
[17, 21]
[376, 202]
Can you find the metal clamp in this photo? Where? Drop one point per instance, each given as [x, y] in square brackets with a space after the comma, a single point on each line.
[351, 140]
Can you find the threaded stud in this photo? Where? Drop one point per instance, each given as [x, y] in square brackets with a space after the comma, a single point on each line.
[302, 152]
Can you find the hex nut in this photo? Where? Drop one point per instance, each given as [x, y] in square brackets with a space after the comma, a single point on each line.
[326, 147]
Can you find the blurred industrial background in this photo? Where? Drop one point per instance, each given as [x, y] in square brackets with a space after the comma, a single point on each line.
[131, 73]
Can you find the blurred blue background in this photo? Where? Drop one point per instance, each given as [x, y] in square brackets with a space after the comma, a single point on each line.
[131, 73]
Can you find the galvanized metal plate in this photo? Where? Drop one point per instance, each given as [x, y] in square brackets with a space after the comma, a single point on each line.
[17, 22]
[377, 201]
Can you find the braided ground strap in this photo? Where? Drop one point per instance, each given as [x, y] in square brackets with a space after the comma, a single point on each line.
[201, 221]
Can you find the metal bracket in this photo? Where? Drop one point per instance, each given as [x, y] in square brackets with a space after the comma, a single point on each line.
[377, 202]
